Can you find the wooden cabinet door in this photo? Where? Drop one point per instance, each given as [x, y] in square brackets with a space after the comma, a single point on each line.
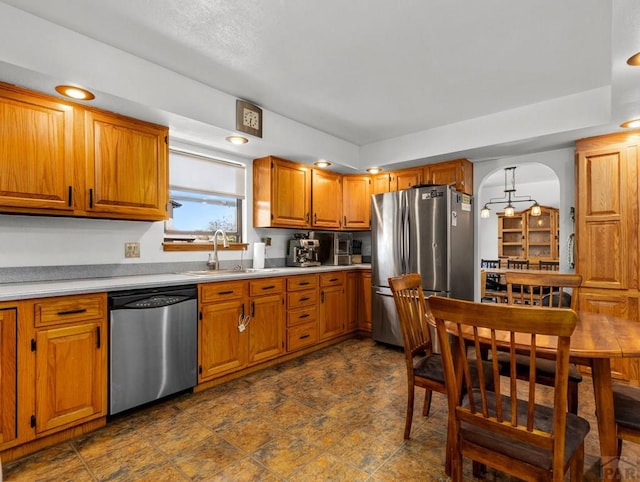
[457, 173]
[37, 157]
[365, 306]
[266, 328]
[127, 167]
[332, 311]
[380, 183]
[356, 202]
[405, 178]
[8, 374]
[222, 347]
[290, 196]
[606, 235]
[354, 296]
[71, 381]
[326, 199]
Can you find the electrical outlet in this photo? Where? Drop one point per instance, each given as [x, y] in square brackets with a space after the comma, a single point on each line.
[131, 250]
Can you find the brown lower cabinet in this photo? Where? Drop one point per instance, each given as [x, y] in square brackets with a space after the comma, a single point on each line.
[60, 348]
[61, 345]
[241, 323]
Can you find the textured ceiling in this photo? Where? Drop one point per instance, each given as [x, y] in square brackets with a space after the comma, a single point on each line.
[362, 70]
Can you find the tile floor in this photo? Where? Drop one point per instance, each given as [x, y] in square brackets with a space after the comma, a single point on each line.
[334, 415]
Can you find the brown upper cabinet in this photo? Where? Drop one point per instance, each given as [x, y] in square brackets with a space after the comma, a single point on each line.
[60, 158]
[405, 178]
[458, 173]
[287, 194]
[281, 193]
[356, 202]
[326, 199]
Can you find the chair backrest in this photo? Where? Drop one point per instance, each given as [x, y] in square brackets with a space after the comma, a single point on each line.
[412, 311]
[549, 289]
[517, 264]
[490, 263]
[549, 265]
[505, 328]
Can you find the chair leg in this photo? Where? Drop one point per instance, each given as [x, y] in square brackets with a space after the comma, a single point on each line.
[427, 402]
[572, 397]
[576, 466]
[410, 399]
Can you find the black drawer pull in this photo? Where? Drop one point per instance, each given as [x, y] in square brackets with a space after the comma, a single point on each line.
[72, 312]
[304, 283]
[306, 335]
[306, 315]
[306, 298]
[270, 287]
[225, 292]
[334, 279]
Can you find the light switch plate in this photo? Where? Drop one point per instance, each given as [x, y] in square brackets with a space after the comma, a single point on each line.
[131, 250]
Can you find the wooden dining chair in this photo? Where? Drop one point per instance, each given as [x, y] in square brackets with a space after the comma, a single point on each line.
[425, 371]
[492, 281]
[549, 265]
[626, 400]
[509, 431]
[549, 289]
[517, 264]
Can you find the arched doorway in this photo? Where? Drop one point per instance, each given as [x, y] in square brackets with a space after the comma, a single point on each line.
[532, 179]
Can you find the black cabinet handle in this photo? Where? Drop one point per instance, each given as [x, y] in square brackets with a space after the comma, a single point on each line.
[70, 197]
[306, 315]
[306, 335]
[270, 287]
[91, 198]
[303, 283]
[322, 297]
[253, 309]
[306, 298]
[225, 292]
[98, 335]
[242, 310]
[334, 279]
[72, 312]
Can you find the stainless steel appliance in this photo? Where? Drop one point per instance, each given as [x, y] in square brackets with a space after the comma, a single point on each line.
[302, 252]
[335, 248]
[428, 230]
[153, 345]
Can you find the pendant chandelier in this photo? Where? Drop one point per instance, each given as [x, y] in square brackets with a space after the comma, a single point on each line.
[510, 197]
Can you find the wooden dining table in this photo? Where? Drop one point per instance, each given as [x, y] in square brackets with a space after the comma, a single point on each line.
[597, 339]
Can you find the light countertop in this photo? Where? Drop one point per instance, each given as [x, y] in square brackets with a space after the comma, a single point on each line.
[43, 289]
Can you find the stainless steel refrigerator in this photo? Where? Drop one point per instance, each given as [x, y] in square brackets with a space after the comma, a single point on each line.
[428, 230]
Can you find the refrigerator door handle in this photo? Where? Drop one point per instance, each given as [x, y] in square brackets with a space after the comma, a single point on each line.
[404, 230]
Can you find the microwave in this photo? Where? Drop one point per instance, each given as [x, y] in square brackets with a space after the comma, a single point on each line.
[334, 249]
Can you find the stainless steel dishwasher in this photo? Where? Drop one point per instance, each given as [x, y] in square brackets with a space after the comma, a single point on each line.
[153, 344]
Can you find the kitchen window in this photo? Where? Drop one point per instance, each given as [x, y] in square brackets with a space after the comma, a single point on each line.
[206, 194]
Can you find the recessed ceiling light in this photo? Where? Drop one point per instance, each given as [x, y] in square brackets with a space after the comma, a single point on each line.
[634, 60]
[374, 170]
[74, 92]
[631, 123]
[237, 140]
[322, 163]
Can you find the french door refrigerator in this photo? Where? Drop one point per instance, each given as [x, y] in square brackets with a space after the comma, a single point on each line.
[428, 230]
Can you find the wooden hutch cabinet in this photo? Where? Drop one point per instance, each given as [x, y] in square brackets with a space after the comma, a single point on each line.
[524, 236]
[607, 236]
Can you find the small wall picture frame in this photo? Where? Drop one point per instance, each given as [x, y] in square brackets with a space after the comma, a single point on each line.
[248, 118]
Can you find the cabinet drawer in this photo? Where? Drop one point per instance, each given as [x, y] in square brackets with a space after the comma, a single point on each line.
[266, 286]
[70, 309]
[303, 282]
[332, 279]
[227, 290]
[302, 335]
[298, 299]
[302, 315]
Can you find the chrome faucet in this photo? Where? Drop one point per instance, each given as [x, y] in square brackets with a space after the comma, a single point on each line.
[213, 262]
